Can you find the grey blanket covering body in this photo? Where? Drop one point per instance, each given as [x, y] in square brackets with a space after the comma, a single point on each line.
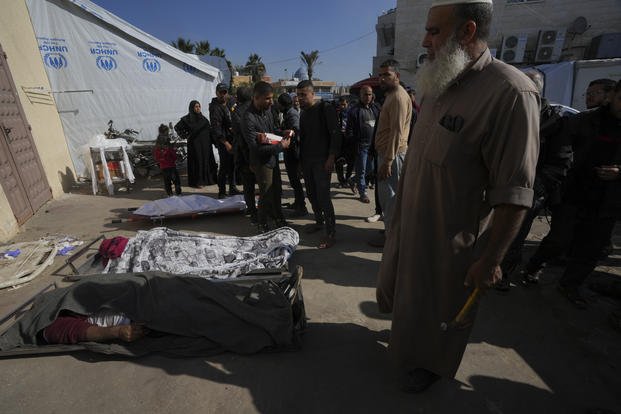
[194, 316]
[221, 257]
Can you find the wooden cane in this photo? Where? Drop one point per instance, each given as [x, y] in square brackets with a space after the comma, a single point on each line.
[465, 310]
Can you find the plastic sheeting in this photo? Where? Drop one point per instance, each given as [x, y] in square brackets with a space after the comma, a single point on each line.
[173, 206]
[102, 68]
[559, 82]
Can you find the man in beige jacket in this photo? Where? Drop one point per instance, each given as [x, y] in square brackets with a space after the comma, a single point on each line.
[391, 139]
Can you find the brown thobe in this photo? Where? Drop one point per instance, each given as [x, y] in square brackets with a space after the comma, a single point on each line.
[473, 148]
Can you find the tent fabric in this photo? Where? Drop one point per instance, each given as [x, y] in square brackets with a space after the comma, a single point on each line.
[220, 257]
[192, 315]
[102, 68]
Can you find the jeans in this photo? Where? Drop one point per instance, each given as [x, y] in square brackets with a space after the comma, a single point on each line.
[387, 188]
[171, 176]
[270, 189]
[317, 181]
[363, 166]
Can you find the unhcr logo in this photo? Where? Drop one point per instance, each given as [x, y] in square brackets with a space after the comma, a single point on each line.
[55, 60]
[188, 68]
[151, 65]
[106, 63]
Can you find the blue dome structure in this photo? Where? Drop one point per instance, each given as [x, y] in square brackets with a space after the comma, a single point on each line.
[301, 74]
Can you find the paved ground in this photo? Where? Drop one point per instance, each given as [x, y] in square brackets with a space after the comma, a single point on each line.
[530, 350]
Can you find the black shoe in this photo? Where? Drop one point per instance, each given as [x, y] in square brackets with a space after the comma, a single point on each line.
[300, 212]
[263, 228]
[419, 380]
[573, 295]
[254, 219]
[234, 191]
[530, 278]
[221, 196]
[503, 285]
[282, 223]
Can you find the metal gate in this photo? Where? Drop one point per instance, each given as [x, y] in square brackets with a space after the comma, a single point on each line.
[21, 173]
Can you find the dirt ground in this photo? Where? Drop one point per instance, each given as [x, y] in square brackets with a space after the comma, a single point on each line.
[530, 350]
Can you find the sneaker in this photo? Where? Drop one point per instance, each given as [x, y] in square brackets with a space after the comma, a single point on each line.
[419, 380]
[374, 218]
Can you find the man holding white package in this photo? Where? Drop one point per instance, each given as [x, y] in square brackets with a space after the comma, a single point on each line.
[258, 125]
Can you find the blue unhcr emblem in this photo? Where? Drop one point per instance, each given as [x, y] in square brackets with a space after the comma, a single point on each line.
[106, 63]
[151, 65]
[188, 68]
[55, 60]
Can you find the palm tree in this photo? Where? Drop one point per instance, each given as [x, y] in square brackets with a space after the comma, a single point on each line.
[255, 67]
[218, 52]
[310, 60]
[202, 48]
[184, 45]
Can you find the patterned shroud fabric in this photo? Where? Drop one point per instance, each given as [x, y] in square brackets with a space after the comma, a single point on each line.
[197, 254]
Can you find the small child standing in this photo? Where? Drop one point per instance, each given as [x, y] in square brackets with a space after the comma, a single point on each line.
[166, 156]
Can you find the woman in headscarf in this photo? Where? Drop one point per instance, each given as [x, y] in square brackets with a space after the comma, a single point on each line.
[195, 128]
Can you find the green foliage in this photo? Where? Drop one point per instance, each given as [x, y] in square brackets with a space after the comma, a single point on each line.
[310, 60]
[184, 45]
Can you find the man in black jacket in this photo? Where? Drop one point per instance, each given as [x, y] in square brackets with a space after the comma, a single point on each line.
[593, 190]
[320, 142]
[256, 123]
[555, 156]
[220, 117]
[242, 153]
[361, 127]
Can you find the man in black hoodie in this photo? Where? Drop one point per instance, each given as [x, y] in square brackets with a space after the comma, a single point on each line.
[257, 122]
[223, 135]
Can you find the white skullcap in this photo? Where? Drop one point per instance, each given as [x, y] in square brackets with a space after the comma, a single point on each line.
[436, 3]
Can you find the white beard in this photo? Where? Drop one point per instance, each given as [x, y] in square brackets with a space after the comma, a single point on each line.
[435, 76]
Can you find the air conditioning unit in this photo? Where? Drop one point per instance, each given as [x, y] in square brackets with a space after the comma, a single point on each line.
[549, 45]
[421, 59]
[605, 46]
[513, 48]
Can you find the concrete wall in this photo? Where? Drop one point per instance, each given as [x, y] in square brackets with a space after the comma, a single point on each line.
[604, 16]
[19, 43]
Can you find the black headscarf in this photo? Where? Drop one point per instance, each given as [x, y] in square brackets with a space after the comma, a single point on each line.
[194, 121]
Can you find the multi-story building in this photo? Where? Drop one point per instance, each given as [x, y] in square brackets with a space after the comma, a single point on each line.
[524, 32]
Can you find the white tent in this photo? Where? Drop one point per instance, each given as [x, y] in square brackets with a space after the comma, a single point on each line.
[102, 68]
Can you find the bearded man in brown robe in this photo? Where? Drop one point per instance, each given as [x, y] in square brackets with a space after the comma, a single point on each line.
[465, 186]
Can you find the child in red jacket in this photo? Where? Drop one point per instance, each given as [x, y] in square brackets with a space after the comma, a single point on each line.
[164, 153]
